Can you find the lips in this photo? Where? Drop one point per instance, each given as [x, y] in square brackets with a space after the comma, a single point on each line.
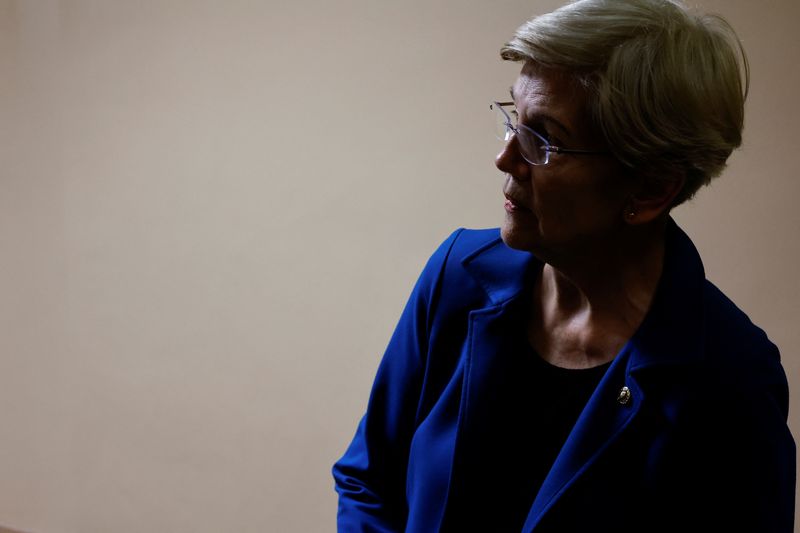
[514, 204]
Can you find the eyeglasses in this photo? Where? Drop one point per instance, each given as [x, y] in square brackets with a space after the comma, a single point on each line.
[533, 146]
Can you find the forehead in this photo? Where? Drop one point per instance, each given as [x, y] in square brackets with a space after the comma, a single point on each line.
[550, 93]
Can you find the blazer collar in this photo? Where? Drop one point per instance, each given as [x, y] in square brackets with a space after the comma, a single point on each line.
[671, 330]
[501, 271]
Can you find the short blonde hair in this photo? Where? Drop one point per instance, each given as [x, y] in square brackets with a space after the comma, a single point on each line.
[666, 86]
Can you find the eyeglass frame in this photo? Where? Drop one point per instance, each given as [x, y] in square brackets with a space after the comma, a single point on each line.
[546, 146]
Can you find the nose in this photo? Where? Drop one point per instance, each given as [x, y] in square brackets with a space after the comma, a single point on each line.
[511, 162]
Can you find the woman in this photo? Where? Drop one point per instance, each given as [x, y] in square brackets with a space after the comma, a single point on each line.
[577, 372]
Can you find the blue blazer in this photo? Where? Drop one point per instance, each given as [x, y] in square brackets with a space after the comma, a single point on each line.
[700, 443]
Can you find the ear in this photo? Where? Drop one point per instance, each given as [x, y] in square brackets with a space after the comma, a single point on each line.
[653, 200]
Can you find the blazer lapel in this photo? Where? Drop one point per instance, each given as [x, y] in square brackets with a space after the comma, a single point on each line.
[607, 414]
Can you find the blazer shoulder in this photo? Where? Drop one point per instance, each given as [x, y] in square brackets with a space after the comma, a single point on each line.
[740, 347]
[729, 326]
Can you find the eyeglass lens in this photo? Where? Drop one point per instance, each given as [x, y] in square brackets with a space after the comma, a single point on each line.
[531, 147]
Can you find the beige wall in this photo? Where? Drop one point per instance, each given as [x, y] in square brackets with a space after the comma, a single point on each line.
[211, 214]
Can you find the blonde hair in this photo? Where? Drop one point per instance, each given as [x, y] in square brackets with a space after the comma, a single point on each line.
[666, 86]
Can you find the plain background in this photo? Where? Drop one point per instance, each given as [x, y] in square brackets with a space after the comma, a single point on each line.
[211, 214]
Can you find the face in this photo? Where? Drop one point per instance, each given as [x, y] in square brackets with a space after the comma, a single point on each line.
[571, 205]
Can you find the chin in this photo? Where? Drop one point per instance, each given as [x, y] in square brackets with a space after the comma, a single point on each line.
[516, 239]
[527, 240]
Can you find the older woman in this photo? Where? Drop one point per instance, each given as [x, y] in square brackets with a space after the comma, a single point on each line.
[575, 371]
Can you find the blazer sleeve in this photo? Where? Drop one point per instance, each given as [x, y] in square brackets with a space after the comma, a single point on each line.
[761, 456]
[750, 456]
[371, 476]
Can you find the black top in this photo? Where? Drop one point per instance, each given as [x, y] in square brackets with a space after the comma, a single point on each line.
[530, 416]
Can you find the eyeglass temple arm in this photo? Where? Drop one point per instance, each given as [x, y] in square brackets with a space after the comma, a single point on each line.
[559, 150]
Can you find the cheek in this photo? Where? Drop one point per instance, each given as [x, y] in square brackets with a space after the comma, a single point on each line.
[612, 195]
[556, 202]
[579, 204]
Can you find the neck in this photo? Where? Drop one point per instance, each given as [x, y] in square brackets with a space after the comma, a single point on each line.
[612, 283]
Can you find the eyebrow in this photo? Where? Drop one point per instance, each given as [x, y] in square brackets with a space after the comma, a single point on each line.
[543, 117]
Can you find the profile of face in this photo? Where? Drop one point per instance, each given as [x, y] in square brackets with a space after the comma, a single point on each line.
[575, 202]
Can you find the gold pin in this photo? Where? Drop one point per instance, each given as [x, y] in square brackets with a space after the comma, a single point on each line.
[624, 396]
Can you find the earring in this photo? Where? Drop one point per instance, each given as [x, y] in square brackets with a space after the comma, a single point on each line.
[630, 213]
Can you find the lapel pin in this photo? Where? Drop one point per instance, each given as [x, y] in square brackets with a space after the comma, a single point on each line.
[624, 396]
